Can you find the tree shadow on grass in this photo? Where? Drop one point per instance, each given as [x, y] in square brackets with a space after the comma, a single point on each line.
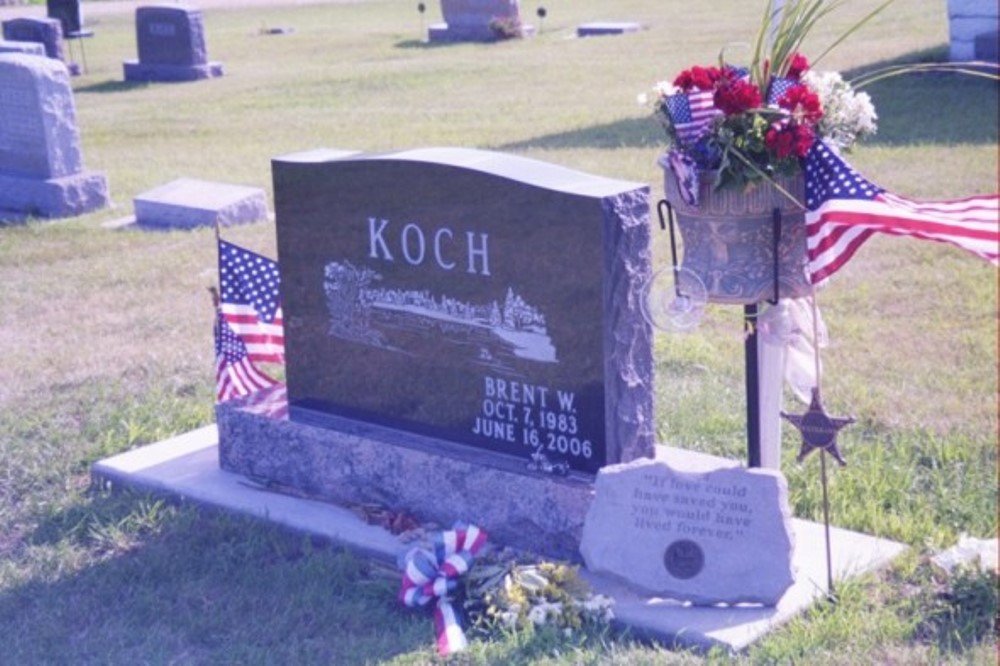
[927, 108]
[931, 107]
[639, 132]
[178, 584]
[111, 86]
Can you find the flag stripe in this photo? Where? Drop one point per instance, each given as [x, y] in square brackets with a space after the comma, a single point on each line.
[845, 209]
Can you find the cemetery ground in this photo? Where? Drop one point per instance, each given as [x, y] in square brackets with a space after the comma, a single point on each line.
[107, 336]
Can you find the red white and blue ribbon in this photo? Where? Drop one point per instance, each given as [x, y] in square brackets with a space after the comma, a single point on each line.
[432, 577]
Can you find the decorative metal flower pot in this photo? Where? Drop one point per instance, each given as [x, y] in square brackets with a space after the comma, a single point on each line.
[733, 243]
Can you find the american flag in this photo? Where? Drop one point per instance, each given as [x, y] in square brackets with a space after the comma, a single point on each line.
[844, 210]
[235, 373]
[692, 114]
[251, 301]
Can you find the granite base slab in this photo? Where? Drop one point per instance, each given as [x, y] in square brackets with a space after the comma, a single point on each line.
[27, 48]
[187, 203]
[68, 196]
[137, 71]
[351, 462]
[187, 467]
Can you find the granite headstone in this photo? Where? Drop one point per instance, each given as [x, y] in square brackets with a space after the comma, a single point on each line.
[171, 45]
[707, 535]
[462, 339]
[476, 20]
[45, 31]
[41, 167]
[69, 13]
[460, 294]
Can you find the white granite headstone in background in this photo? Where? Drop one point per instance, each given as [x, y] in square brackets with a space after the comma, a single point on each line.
[187, 203]
[41, 167]
[690, 532]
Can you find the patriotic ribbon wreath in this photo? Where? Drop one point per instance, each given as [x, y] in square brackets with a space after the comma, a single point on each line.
[432, 577]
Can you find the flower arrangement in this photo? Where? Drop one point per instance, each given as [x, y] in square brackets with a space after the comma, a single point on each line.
[747, 124]
[508, 593]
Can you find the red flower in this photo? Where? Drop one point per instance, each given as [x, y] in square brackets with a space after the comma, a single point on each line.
[700, 78]
[797, 66]
[734, 96]
[789, 140]
[803, 104]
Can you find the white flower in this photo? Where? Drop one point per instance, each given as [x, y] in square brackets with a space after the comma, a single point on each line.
[847, 115]
[541, 612]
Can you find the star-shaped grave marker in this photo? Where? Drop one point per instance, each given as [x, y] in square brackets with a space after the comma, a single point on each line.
[819, 431]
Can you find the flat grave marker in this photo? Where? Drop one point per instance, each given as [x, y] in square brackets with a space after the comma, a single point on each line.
[187, 203]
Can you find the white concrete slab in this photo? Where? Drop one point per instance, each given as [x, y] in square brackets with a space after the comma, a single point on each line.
[187, 467]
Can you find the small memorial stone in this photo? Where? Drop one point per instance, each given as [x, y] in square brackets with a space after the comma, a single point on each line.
[187, 203]
[171, 44]
[41, 168]
[690, 532]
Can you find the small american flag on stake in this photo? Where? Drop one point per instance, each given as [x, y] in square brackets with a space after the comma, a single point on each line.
[251, 301]
[692, 114]
[844, 210]
[235, 374]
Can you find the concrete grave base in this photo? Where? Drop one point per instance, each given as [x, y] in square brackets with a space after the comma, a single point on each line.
[187, 203]
[137, 71]
[348, 461]
[69, 196]
[27, 48]
[187, 467]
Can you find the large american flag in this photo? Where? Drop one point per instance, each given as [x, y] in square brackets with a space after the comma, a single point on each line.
[251, 302]
[235, 373]
[844, 210]
[692, 114]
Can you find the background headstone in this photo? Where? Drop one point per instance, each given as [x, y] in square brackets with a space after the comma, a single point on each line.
[601, 28]
[187, 203]
[69, 14]
[45, 31]
[470, 20]
[41, 168]
[969, 21]
[171, 45]
[688, 532]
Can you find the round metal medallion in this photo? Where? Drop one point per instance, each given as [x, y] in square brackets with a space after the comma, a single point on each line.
[684, 559]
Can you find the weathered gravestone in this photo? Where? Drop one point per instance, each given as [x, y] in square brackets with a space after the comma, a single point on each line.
[677, 528]
[171, 45]
[45, 31]
[462, 339]
[41, 168]
[478, 21]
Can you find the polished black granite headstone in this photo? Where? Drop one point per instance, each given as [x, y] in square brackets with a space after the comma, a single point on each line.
[469, 296]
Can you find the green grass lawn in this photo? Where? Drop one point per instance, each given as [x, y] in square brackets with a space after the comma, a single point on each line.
[108, 343]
